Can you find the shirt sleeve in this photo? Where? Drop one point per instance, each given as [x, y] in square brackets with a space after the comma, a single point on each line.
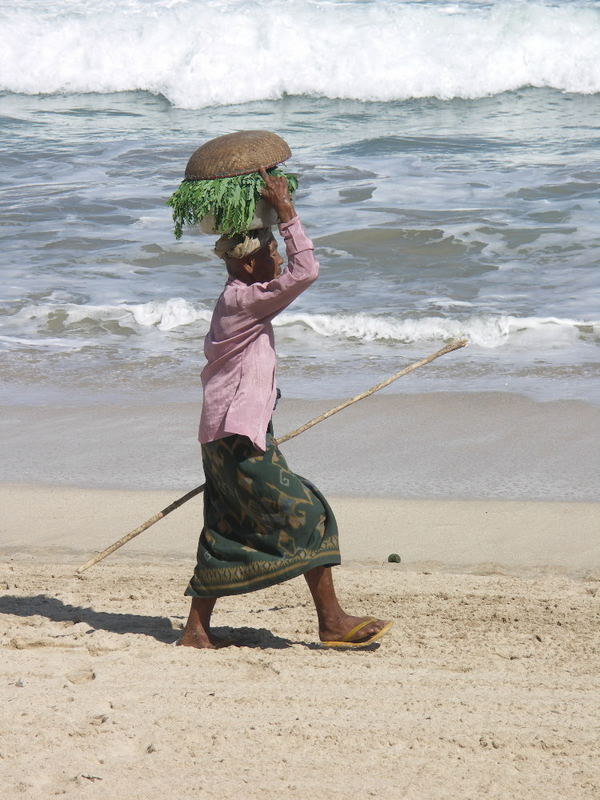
[267, 299]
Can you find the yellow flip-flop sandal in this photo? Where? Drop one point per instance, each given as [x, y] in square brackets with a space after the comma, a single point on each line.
[345, 642]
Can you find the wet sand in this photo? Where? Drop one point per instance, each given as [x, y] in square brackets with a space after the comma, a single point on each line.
[439, 445]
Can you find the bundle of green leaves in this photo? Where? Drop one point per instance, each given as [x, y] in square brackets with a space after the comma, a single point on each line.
[232, 201]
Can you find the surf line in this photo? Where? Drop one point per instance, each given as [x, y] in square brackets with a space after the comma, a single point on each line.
[455, 345]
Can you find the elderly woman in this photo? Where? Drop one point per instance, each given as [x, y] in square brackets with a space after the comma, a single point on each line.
[263, 524]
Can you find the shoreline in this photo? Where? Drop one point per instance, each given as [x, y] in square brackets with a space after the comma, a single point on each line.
[496, 446]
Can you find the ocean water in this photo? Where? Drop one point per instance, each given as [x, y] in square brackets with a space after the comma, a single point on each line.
[449, 164]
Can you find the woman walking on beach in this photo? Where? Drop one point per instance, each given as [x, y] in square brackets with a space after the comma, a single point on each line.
[263, 524]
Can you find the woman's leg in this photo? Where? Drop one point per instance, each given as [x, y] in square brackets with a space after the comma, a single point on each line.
[334, 623]
[197, 629]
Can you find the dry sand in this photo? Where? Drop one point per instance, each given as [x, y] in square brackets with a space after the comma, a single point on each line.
[488, 685]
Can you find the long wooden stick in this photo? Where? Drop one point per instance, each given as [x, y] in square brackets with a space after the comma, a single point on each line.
[140, 529]
[447, 349]
[180, 501]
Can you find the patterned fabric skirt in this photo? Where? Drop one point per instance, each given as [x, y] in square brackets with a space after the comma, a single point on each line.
[263, 524]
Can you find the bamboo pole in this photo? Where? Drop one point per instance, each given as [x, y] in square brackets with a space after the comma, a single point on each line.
[411, 367]
[315, 421]
[140, 529]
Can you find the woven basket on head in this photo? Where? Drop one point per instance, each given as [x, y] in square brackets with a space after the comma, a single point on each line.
[236, 154]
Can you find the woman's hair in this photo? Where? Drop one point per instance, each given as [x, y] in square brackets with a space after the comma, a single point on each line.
[242, 245]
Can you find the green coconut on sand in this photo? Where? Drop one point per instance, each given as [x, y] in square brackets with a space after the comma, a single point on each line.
[231, 200]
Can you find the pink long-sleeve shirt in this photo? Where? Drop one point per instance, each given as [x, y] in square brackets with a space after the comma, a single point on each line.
[239, 377]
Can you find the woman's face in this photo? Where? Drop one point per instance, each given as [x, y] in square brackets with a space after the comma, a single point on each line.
[261, 267]
[267, 264]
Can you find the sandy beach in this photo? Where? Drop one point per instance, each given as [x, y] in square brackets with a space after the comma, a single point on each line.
[487, 686]
[448, 176]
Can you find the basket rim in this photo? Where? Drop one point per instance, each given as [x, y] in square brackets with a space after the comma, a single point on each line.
[230, 175]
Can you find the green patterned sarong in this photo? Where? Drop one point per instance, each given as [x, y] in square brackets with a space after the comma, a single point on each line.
[263, 524]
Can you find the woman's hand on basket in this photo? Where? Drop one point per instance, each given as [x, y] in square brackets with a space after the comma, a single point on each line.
[275, 192]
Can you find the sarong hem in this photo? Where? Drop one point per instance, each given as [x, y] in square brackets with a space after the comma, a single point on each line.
[325, 559]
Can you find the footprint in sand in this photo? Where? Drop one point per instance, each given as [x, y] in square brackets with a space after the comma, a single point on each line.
[81, 675]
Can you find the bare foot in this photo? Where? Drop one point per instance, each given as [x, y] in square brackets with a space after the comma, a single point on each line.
[201, 640]
[338, 630]
[197, 628]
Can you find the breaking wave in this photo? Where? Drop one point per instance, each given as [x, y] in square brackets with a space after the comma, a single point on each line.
[71, 326]
[198, 53]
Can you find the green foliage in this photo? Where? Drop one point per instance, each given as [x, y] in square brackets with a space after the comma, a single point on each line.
[232, 201]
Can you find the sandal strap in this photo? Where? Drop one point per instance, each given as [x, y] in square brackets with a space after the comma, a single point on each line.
[348, 636]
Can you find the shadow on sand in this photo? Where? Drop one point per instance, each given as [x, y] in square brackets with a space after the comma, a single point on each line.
[159, 628]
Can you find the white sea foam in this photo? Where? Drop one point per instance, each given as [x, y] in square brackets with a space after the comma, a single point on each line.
[10, 342]
[199, 53]
[487, 331]
[171, 314]
[164, 316]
